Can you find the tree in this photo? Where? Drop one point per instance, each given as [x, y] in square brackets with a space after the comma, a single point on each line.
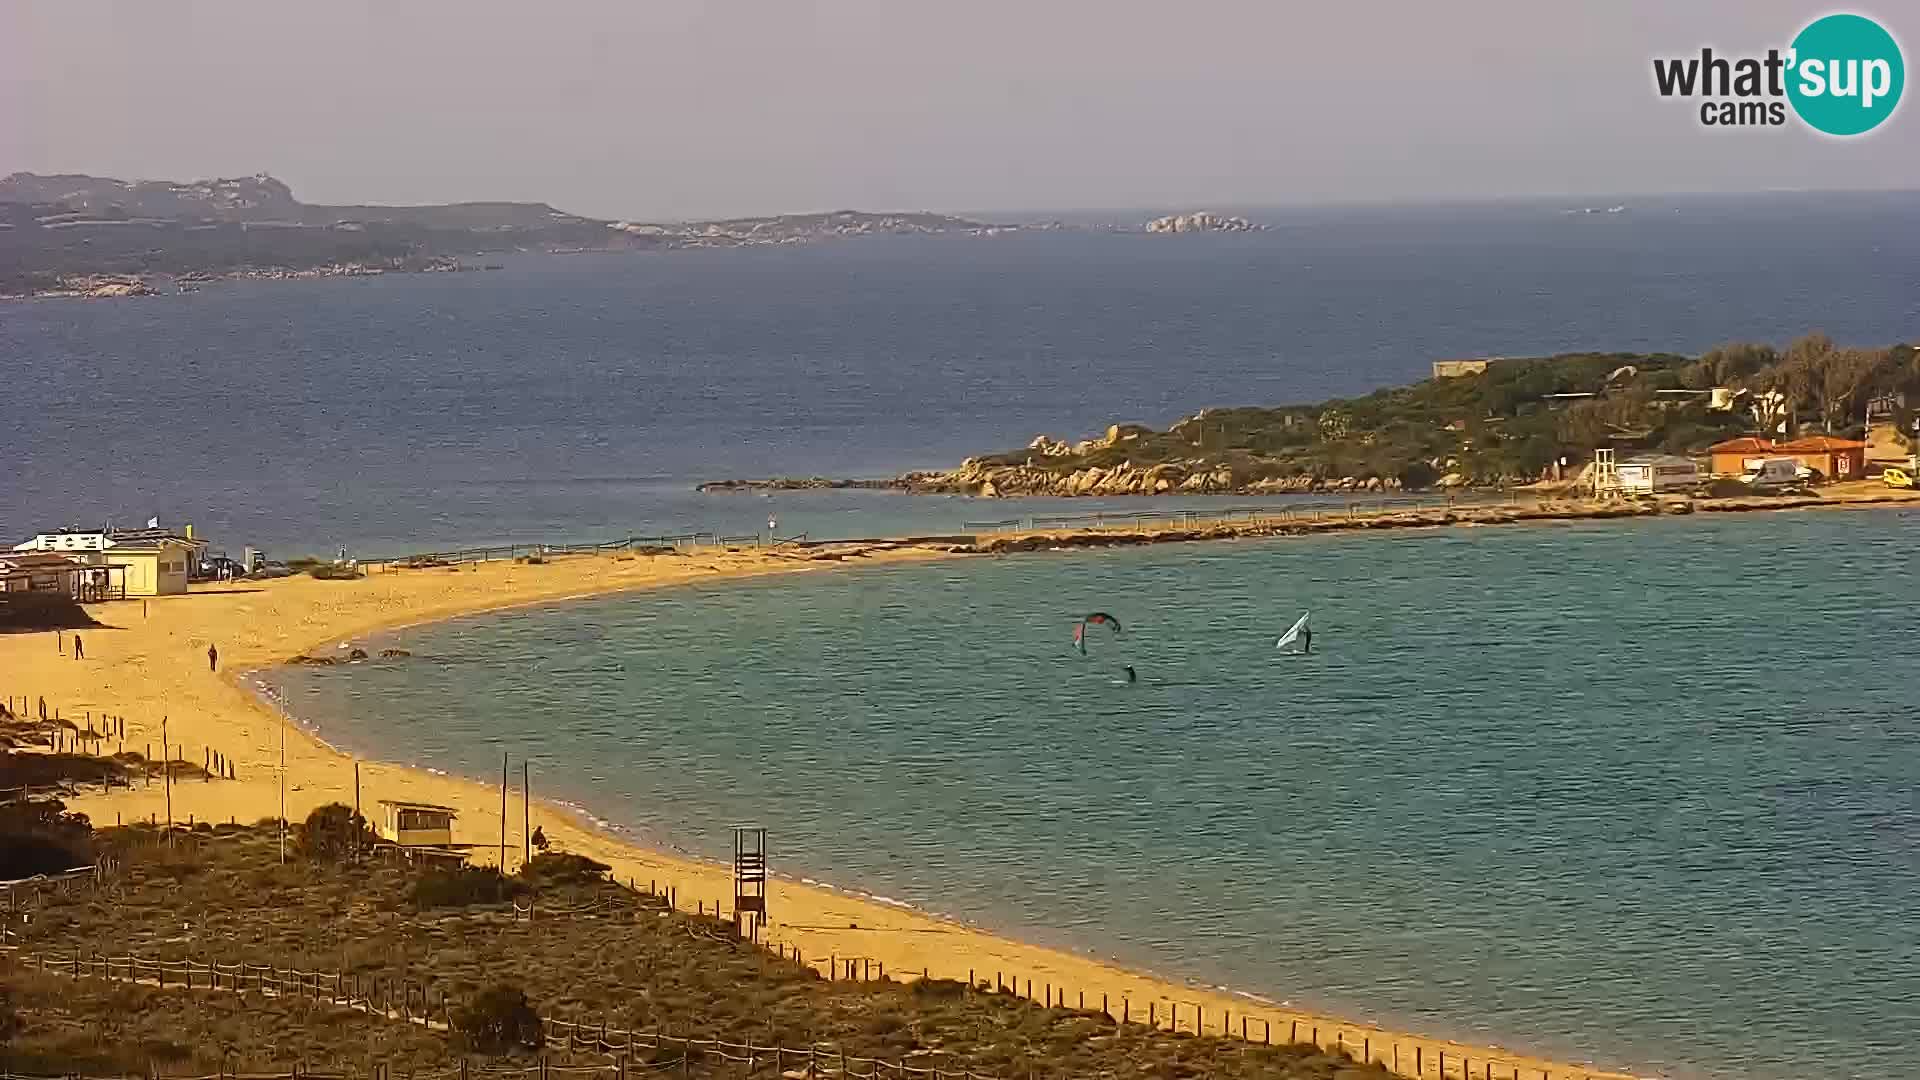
[40, 837]
[499, 1020]
[1737, 361]
[1803, 370]
[335, 833]
[1846, 373]
[9, 1016]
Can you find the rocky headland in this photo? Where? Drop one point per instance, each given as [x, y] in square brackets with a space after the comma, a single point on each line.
[91, 236]
[1488, 424]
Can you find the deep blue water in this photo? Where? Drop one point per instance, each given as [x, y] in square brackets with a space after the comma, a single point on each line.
[1646, 792]
[583, 396]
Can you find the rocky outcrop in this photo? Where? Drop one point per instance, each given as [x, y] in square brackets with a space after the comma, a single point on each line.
[990, 478]
[799, 483]
[1196, 477]
[1201, 221]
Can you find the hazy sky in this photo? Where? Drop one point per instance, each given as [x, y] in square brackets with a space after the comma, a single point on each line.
[674, 108]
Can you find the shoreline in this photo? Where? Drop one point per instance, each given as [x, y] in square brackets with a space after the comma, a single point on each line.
[149, 669]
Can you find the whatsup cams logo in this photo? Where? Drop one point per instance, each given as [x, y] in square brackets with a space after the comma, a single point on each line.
[1842, 75]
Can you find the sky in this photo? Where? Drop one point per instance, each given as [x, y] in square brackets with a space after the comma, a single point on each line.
[666, 109]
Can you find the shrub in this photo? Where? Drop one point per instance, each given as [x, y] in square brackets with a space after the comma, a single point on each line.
[40, 837]
[938, 988]
[563, 868]
[499, 1020]
[334, 833]
[461, 886]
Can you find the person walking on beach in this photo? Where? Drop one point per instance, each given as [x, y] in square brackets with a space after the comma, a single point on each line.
[213, 658]
[79, 650]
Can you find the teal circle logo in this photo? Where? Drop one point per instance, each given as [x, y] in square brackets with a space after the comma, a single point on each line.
[1846, 75]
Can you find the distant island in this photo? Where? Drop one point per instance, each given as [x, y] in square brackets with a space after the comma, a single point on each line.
[1201, 221]
[1476, 423]
[79, 235]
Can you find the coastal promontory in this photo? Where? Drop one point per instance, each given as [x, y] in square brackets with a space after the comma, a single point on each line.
[1485, 423]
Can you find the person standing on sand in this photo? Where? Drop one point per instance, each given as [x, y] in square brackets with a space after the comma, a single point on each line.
[79, 650]
[213, 658]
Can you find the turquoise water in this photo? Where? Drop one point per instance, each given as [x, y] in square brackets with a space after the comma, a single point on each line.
[1642, 792]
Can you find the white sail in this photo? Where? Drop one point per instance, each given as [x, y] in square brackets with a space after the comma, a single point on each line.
[1293, 633]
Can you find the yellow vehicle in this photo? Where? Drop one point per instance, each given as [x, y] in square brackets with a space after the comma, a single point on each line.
[1896, 477]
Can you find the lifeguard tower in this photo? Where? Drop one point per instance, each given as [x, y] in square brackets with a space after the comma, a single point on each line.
[416, 824]
[1606, 474]
[749, 880]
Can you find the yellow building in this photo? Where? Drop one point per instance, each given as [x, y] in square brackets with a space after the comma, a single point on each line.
[413, 824]
[153, 567]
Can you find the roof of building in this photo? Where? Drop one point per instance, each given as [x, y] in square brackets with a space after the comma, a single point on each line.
[1819, 444]
[25, 559]
[154, 534]
[1805, 444]
[161, 543]
[402, 804]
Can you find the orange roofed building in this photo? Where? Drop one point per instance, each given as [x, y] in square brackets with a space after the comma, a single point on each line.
[1830, 458]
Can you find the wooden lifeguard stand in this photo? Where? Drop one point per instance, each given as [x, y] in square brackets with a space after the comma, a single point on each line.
[1606, 474]
[749, 880]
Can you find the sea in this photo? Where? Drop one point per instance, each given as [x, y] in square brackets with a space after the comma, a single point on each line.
[576, 397]
[1640, 792]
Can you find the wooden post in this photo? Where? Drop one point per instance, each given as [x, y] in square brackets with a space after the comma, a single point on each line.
[503, 842]
[526, 808]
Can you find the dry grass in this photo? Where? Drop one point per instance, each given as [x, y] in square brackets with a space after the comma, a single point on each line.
[596, 953]
[103, 1028]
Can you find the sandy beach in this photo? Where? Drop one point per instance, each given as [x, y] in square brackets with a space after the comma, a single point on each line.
[149, 661]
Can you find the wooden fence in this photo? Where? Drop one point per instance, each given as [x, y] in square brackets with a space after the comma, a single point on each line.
[414, 1001]
[1407, 1055]
[67, 736]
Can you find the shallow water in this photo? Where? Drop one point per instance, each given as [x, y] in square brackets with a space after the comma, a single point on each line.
[1644, 791]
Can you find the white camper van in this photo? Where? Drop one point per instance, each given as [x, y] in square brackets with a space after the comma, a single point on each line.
[1776, 472]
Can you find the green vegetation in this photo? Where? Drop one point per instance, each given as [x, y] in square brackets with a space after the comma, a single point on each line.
[499, 1020]
[1511, 423]
[593, 952]
[462, 886]
[335, 833]
[39, 836]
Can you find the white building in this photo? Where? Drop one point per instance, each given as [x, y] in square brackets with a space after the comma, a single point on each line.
[151, 561]
[1657, 473]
